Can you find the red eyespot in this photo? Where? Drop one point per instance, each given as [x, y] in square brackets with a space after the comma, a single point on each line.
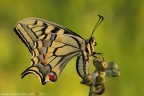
[52, 76]
[43, 62]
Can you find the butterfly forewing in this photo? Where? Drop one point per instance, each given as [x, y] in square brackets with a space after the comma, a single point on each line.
[51, 45]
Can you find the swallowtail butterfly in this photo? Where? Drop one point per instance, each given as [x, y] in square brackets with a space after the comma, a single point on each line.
[52, 46]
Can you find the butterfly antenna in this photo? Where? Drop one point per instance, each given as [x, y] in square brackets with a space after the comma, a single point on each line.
[101, 18]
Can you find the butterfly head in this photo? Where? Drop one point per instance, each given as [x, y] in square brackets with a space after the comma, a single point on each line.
[92, 41]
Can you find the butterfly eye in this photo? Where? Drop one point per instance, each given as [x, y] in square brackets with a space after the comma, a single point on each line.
[95, 43]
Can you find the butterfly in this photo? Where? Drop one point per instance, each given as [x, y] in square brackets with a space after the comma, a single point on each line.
[53, 46]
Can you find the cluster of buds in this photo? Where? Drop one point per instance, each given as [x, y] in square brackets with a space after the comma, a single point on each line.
[96, 80]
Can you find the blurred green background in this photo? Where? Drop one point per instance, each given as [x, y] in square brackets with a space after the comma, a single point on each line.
[119, 38]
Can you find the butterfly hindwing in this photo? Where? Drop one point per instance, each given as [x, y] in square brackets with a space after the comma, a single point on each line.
[52, 47]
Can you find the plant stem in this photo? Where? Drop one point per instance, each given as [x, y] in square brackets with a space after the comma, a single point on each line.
[91, 91]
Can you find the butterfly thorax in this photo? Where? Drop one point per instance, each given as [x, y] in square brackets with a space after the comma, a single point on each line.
[90, 46]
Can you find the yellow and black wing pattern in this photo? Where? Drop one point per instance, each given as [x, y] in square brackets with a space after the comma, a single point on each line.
[51, 45]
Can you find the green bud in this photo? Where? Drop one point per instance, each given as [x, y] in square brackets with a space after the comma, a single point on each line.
[112, 70]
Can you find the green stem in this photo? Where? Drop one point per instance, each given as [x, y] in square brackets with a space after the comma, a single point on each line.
[91, 91]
